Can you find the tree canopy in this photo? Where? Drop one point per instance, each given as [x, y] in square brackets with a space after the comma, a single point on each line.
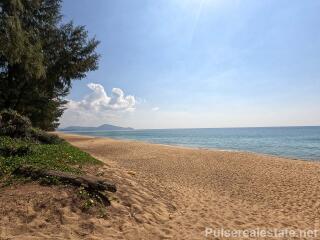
[39, 58]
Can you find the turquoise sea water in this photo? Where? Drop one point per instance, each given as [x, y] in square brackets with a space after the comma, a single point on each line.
[292, 142]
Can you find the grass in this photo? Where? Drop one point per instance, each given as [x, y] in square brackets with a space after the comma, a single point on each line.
[59, 156]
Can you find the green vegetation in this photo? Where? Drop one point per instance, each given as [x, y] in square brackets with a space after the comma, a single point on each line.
[14, 147]
[61, 156]
[40, 56]
[20, 144]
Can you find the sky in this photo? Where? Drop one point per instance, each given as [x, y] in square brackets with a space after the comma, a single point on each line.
[198, 63]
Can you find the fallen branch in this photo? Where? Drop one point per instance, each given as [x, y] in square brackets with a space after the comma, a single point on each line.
[89, 182]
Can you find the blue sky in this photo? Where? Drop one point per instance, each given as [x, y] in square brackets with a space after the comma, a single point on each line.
[199, 63]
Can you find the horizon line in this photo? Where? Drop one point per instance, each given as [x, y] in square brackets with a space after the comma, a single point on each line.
[293, 126]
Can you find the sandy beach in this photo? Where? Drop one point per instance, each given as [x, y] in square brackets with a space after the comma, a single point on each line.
[177, 192]
[167, 192]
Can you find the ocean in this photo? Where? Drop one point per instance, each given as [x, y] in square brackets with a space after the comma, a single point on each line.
[291, 142]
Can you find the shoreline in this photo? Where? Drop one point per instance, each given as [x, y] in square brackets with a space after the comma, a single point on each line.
[168, 192]
[190, 147]
[178, 192]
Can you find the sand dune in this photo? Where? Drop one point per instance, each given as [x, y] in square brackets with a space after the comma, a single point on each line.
[176, 193]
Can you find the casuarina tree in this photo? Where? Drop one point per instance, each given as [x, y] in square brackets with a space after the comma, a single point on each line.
[39, 58]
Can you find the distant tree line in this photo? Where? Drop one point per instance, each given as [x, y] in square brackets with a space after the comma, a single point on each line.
[39, 58]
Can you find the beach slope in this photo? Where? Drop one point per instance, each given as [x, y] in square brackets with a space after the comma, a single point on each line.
[173, 192]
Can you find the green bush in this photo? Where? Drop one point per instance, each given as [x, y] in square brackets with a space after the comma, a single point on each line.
[44, 137]
[14, 125]
[14, 147]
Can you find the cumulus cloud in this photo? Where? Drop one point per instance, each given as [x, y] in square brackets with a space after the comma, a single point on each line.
[99, 101]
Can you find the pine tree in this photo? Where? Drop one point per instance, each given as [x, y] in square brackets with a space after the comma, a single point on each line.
[39, 58]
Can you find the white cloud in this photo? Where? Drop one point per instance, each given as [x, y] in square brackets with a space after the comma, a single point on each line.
[99, 101]
[155, 109]
[98, 107]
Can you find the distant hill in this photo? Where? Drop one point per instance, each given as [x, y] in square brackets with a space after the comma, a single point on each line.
[104, 127]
